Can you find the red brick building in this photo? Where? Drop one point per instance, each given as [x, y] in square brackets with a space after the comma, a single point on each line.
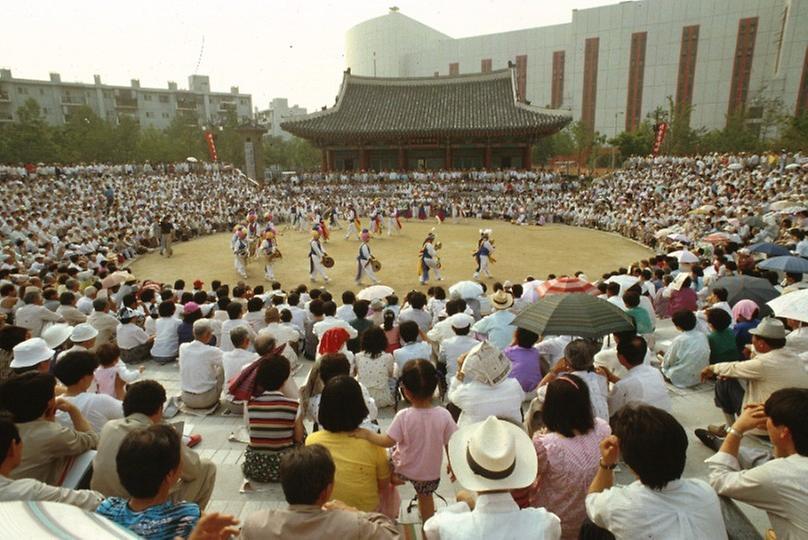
[459, 121]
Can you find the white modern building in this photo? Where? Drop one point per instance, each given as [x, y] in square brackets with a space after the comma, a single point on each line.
[613, 65]
[278, 111]
[150, 107]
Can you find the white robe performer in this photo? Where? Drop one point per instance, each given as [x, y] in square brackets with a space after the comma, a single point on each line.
[268, 249]
[429, 259]
[353, 223]
[483, 254]
[316, 254]
[363, 267]
[240, 250]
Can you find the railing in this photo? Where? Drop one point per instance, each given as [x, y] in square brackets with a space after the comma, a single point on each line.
[125, 103]
[70, 100]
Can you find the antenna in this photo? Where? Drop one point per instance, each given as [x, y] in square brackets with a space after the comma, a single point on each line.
[201, 52]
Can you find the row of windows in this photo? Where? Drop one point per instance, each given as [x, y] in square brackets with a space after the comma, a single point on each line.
[163, 98]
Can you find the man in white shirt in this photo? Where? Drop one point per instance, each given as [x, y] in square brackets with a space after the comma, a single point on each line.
[234, 311]
[416, 312]
[345, 311]
[331, 321]
[452, 348]
[85, 303]
[688, 354]
[76, 370]
[613, 295]
[233, 362]
[298, 314]
[33, 315]
[135, 344]
[660, 504]
[642, 383]
[412, 348]
[778, 486]
[201, 371]
[67, 309]
[101, 320]
[497, 327]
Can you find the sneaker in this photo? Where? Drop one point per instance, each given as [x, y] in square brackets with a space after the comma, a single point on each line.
[718, 430]
[708, 439]
[193, 440]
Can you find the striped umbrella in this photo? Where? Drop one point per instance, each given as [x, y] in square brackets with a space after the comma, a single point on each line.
[566, 285]
[575, 314]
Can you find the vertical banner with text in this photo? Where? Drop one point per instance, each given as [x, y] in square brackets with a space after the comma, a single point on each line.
[661, 130]
[211, 146]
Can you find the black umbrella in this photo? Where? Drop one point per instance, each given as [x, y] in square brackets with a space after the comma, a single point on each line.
[575, 314]
[758, 290]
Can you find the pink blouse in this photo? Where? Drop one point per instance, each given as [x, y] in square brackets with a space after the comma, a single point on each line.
[566, 468]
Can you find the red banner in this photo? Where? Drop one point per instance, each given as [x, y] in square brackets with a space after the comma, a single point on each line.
[211, 146]
[662, 129]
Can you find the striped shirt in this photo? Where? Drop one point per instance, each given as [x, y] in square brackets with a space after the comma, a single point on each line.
[271, 421]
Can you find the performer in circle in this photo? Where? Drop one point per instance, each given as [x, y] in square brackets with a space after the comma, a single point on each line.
[316, 254]
[428, 259]
[240, 249]
[364, 259]
[353, 222]
[269, 249]
[483, 255]
[253, 232]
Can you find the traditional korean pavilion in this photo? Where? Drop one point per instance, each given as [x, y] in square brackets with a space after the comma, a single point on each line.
[458, 121]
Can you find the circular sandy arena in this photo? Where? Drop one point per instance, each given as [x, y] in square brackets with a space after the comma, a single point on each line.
[520, 251]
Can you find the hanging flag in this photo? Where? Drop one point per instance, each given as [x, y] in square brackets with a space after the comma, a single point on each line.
[661, 130]
[211, 146]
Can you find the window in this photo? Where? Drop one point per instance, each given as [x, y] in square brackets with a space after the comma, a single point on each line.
[163, 99]
[41, 91]
[22, 90]
[165, 115]
[149, 115]
[146, 97]
[243, 101]
[107, 94]
[44, 110]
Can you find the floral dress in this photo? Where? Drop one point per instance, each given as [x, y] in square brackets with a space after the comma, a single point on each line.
[376, 374]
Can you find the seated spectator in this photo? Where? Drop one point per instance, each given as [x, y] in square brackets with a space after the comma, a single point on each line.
[31, 355]
[680, 294]
[112, 375]
[67, 309]
[273, 422]
[492, 458]
[201, 372]
[166, 342]
[568, 452]
[149, 465]
[745, 316]
[773, 367]
[143, 407]
[48, 447]
[10, 337]
[497, 327]
[375, 368]
[346, 311]
[255, 314]
[191, 312]
[391, 331]
[660, 504]
[578, 360]
[330, 366]
[416, 313]
[134, 343]
[360, 323]
[27, 489]
[688, 354]
[362, 469]
[76, 370]
[232, 364]
[411, 347]
[723, 347]
[524, 358]
[330, 321]
[642, 321]
[778, 486]
[456, 346]
[642, 383]
[481, 387]
[33, 315]
[308, 478]
[102, 321]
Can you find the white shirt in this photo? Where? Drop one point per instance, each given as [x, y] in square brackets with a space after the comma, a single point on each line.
[167, 340]
[642, 384]
[198, 363]
[497, 327]
[130, 335]
[552, 348]
[617, 301]
[778, 486]
[452, 348]
[419, 316]
[346, 313]
[478, 400]
[281, 333]
[683, 509]
[410, 351]
[298, 318]
[688, 355]
[34, 317]
[225, 344]
[234, 361]
[328, 323]
[98, 409]
[495, 517]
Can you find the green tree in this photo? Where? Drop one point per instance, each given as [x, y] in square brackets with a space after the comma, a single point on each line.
[558, 144]
[29, 140]
[795, 134]
[639, 142]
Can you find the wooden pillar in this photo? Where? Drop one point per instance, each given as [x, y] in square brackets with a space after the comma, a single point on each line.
[487, 158]
[527, 162]
[324, 160]
[402, 158]
[363, 159]
[448, 161]
[329, 158]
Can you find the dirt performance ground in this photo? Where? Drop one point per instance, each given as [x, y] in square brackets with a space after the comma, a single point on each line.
[520, 251]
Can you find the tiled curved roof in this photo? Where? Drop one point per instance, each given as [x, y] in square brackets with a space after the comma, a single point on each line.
[477, 105]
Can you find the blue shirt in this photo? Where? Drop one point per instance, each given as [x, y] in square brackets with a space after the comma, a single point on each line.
[497, 327]
[163, 521]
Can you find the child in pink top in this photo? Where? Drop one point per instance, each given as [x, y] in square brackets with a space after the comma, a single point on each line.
[112, 375]
[418, 434]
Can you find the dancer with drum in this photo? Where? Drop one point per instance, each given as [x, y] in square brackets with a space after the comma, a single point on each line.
[271, 253]
[316, 256]
[429, 260]
[365, 262]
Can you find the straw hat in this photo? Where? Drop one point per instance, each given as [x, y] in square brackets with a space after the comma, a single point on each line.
[502, 300]
[30, 352]
[492, 455]
[770, 328]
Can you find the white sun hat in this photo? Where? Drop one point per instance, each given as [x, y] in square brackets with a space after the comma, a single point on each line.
[30, 352]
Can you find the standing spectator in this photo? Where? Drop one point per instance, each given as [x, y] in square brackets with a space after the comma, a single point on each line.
[166, 236]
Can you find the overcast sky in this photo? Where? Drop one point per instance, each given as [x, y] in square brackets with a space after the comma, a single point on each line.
[269, 48]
